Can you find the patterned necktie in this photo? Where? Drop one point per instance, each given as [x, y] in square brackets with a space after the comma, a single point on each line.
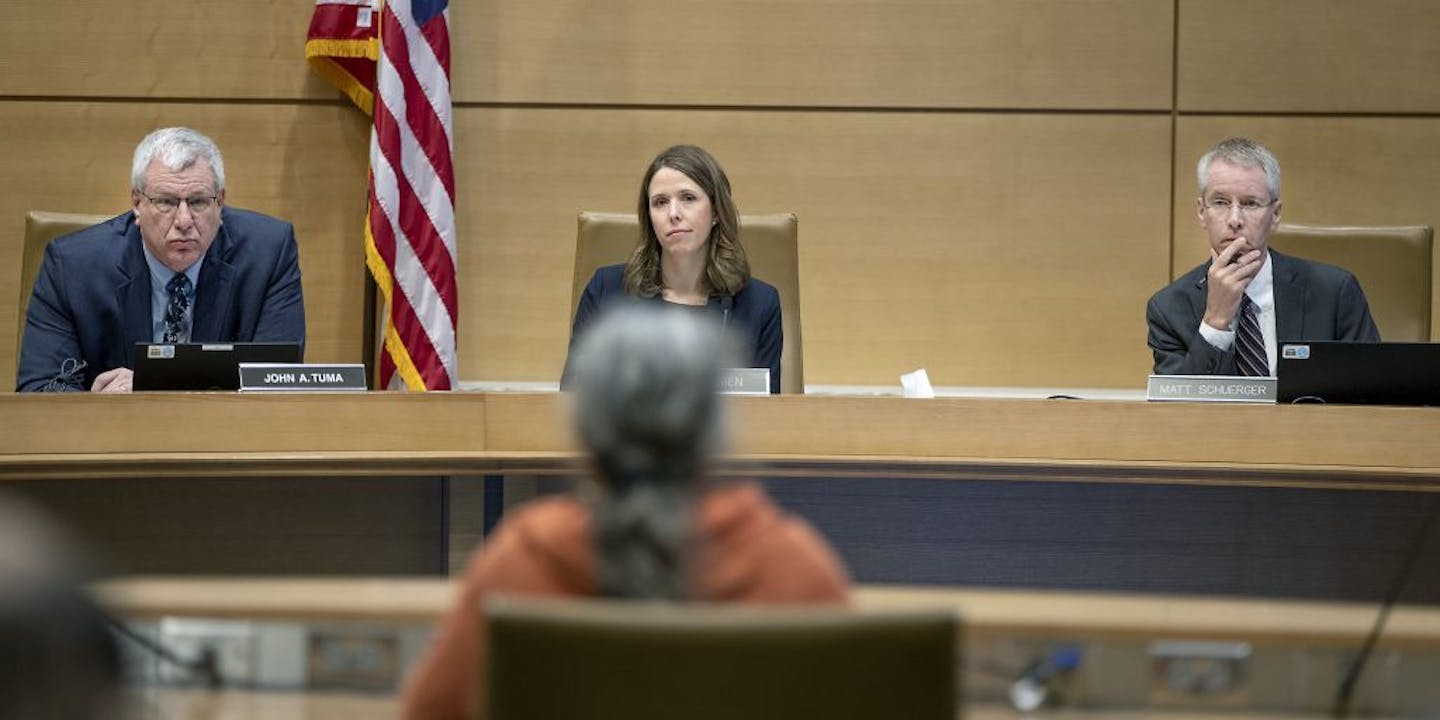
[1249, 343]
[179, 289]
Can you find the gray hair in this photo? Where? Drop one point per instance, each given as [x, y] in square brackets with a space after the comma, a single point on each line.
[648, 411]
[177, 148]
[1245, 153]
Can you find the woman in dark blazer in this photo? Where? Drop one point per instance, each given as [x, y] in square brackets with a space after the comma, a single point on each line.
[689, 258]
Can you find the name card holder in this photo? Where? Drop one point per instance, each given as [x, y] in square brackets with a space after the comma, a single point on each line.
[745, 381]
[1211, 388]
[297, 377]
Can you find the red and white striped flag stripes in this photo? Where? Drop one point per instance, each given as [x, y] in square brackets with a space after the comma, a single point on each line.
[410, 225]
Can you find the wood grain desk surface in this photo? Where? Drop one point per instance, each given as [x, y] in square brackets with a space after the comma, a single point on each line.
[1078, 615]
[165, 703]
[1075, 615]
[224, 434]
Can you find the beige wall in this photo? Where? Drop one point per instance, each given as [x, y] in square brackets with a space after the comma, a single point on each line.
[986, 188]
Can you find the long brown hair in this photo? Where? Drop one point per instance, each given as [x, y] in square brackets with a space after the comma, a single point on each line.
[726, 267]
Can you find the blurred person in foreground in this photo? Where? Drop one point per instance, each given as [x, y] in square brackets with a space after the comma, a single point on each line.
[179, 266]
[58, 658]
[1199, 324]
[689, 258]
[657, 525]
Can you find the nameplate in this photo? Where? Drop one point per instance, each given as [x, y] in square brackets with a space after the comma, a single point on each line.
[1211, 388]
[745, 381]
[293, 377]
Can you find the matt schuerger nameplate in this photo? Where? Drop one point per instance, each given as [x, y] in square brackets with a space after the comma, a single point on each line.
[1211, 388]
[745, 381]
[286, 377]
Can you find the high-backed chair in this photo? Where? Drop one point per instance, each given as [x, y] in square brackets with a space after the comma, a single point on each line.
[40, 228]
[1393, 265]
[771, 243]
[603, 660]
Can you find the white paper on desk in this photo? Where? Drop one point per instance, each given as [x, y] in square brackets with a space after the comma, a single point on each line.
[917, 384]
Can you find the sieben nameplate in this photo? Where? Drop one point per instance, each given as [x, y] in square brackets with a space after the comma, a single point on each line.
[1211, 388]
[745, 381]
[295, 377]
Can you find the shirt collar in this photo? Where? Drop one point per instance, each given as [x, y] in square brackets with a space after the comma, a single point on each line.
[160, 274]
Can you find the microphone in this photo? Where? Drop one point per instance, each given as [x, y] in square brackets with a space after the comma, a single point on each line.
[726, 301]
[1036, 682]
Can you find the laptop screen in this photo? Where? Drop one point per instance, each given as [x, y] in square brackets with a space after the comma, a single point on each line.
[1359, 373]
[202, 366]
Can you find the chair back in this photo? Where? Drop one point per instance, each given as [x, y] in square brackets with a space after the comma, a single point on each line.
[604, 659]
[40, 228]
[771, 244]
[1393, 264]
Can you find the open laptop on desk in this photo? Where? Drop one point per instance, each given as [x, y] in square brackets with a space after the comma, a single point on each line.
[1359, 373]
[202, 366]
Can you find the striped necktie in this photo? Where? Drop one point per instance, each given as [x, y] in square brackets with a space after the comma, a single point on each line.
[1249, 343]
[179, 289]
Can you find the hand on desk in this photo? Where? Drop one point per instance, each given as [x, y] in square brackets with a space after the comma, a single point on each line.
[118, 380]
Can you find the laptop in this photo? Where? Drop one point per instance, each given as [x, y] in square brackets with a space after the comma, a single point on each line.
[202, 366]
[1359, 373]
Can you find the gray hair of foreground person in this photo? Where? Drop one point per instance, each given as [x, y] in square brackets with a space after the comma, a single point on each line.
[648, 411]
[58, 658]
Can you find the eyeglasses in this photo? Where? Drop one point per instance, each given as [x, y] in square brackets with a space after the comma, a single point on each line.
[1221, 207]
[167, 205]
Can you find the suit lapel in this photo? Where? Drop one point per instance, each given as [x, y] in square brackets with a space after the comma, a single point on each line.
[214, 293]
[132, 296]
[1197, 297]
[1289, 299]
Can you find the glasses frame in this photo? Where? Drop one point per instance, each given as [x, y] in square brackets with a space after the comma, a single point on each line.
[1244, 210]
[156, 203]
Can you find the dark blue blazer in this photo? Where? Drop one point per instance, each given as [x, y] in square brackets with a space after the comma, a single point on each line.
[754, 314]
[91, 301]
[1313, 301]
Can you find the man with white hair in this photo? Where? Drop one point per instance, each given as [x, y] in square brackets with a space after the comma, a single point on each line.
[180, 266]
[1228, 315]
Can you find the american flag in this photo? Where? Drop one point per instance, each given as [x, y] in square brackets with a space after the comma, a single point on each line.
[410, 222]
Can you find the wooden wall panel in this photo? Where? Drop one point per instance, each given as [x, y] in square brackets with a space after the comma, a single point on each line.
[303, 163]
[1108, 54]
[970, 53]
[1334, 171]
[160, 49]
[992, 249]
[1378, 56]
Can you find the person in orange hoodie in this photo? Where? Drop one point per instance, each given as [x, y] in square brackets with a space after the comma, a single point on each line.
[658, 526]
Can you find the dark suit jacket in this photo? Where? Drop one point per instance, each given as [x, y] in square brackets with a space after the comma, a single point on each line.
[1313, 301]
[92, 297]
[754, 314]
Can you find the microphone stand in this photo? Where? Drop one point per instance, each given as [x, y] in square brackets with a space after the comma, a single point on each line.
[1346, 692]
[206, 666]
